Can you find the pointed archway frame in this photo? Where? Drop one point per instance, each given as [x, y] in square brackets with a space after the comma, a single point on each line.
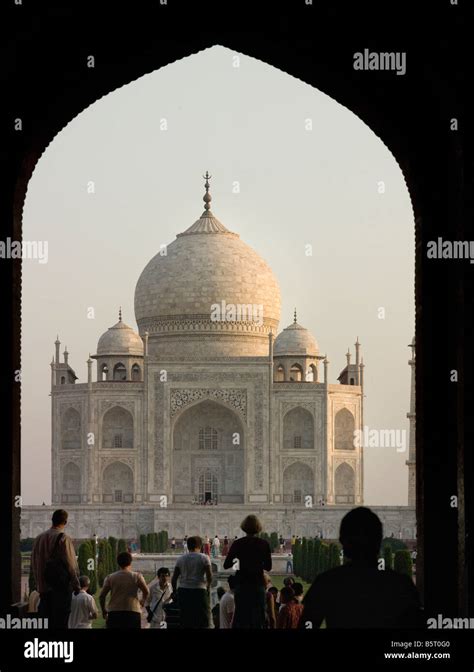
[48, 83]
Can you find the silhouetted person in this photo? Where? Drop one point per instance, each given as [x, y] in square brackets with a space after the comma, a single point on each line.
[55, 570]
[358, 594]
[254, 557]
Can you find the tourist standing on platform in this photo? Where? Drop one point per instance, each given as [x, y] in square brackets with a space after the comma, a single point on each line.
[254, 557]
[124, 609]
[53, 560]
[225, 546]
[207, 547]
[193, 571]
[185, 544]
[216, 545]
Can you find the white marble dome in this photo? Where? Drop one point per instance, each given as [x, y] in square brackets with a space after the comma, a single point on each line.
[204, 266]
[296, 340]
[120, 340]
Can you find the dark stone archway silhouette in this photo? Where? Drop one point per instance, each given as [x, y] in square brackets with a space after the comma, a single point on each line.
[46, 83]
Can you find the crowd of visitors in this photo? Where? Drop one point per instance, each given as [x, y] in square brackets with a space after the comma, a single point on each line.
[355, 594]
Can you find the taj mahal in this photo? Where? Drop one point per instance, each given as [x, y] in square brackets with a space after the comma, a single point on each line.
[210, 410]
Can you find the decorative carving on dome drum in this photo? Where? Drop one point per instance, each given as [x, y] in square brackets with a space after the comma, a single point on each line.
[203, 323]
[236, 398]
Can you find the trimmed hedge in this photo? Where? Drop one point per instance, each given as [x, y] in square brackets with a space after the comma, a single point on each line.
[388, 556]
[26, 544]
[395, 544]
[324, 564]
[154, 542]
[113, 546]
[86, 553]
[274, 541]
[334, 555]
[403, 563]
[297, 558]
[312, 557]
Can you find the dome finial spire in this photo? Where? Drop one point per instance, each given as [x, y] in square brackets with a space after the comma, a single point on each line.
[207, 198]
[120, 313]
[294, 317]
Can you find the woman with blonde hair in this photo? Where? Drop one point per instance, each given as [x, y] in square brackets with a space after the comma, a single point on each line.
[252, 557]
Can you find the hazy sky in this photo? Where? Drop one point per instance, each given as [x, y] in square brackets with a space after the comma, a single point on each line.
[277, 182]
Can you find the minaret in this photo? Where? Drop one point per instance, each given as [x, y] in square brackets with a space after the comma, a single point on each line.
[55, 363]
[411, 462]
[348, 356]
[89, 370]
[326, 366]
[357, 348]
[57, 343]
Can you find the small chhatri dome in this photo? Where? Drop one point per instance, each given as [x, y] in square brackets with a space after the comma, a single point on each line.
[296, 340]
[120, 340]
